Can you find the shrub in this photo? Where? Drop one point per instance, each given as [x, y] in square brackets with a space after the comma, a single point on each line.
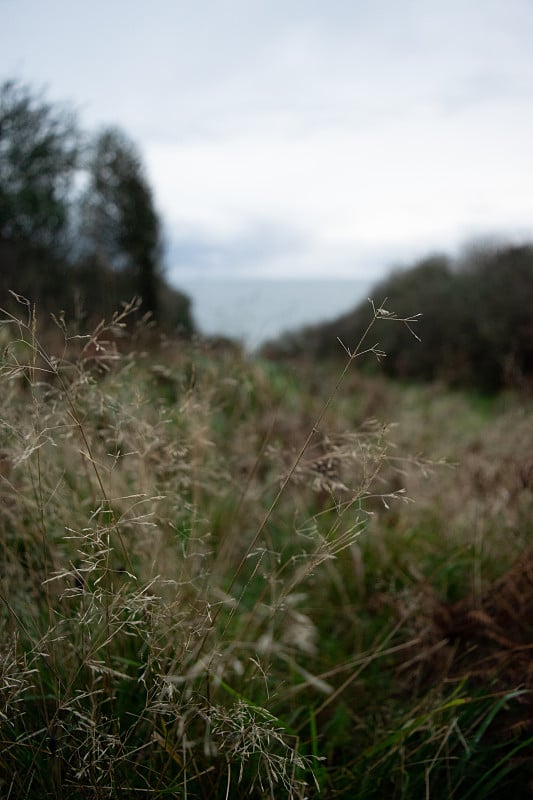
[476, 328]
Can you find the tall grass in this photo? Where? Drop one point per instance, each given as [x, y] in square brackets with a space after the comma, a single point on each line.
[185, 604]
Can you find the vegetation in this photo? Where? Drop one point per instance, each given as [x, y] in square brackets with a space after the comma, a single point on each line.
[214, 583]
[81, 252]
[119, 224]
[39, 148]
[476, 329]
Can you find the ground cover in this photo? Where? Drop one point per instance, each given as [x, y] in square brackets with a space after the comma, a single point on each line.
[230, 577]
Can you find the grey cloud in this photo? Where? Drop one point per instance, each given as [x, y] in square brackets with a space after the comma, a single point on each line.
[259, 250]
[206, 254]
[192, 67]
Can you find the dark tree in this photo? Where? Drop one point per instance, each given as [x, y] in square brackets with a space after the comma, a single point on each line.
[119, 224]
[39, 149]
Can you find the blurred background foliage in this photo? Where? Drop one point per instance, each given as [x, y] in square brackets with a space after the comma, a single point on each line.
[476, 327]
[79, 230]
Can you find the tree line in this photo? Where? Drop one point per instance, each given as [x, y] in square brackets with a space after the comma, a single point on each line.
[475, 329]
[79, 230]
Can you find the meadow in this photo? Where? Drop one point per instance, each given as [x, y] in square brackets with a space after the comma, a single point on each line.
[229, 577]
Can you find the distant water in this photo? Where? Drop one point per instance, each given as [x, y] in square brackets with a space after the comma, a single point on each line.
[254, 311]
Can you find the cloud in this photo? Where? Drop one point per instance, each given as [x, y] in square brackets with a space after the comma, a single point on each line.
[268, 250]
[288, 136]
[256, 248]
[408, 181]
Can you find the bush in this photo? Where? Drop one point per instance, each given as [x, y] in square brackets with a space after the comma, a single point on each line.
[476, 328]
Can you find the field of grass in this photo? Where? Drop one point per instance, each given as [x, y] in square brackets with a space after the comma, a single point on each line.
[227, 578]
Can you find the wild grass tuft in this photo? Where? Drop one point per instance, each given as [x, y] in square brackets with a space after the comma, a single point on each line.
[211, 576]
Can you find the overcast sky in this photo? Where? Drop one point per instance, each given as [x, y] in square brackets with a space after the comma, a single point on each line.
[306, 138]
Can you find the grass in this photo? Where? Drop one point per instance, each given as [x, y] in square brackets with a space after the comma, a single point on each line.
[215, 582]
